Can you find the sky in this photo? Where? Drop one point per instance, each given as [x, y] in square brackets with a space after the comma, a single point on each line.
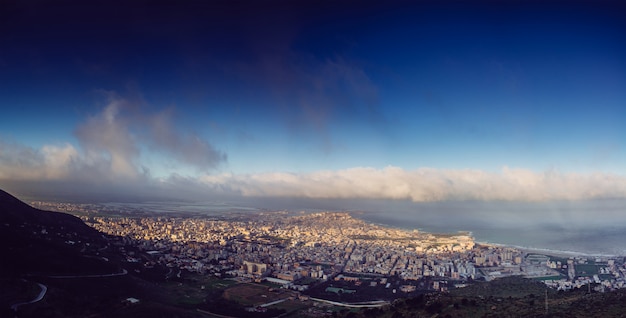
[418, 101]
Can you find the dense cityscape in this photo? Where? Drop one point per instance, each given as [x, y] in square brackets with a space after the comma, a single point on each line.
[300, 250]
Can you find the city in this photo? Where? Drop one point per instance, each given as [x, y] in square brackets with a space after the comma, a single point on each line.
[299, 250]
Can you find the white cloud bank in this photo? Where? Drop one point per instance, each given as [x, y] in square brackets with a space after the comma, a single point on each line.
[425, 185]
[109, 159]
[65, 164]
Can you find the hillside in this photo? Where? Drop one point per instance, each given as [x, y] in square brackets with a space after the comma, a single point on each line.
[41, 242]
[84, 273]
[15, 212]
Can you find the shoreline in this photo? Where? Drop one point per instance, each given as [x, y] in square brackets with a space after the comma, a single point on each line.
[525, 249]
[547, 251]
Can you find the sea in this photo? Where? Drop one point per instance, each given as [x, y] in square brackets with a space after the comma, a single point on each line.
[586, 228]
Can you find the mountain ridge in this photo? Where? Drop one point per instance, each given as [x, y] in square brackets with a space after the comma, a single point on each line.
[15, 211]
[37, 242]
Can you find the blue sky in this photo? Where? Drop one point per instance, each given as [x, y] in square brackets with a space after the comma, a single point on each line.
[422, 101]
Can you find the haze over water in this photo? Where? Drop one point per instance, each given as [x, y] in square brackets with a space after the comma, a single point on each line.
[592, 227]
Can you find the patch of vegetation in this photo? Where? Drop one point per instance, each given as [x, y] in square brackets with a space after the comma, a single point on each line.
[338, 291]
[555, 277]
[249, 294]
[225, 307]
[270, 284]
[587, 269]
[513, 286]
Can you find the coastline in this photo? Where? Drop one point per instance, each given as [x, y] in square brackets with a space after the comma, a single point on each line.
[472, 233]
[548, 252]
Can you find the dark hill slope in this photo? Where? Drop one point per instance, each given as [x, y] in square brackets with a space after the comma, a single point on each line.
[61, 252]
[15, 212]
[33, 241]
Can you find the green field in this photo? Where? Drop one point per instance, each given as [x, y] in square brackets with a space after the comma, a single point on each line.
[587, 269]
[193, 288]
[513, 286]
[254, 294]
[292, 305]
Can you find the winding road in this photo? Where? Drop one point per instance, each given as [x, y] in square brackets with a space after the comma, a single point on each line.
[39, 297]
[44, 288]
[124, 272]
